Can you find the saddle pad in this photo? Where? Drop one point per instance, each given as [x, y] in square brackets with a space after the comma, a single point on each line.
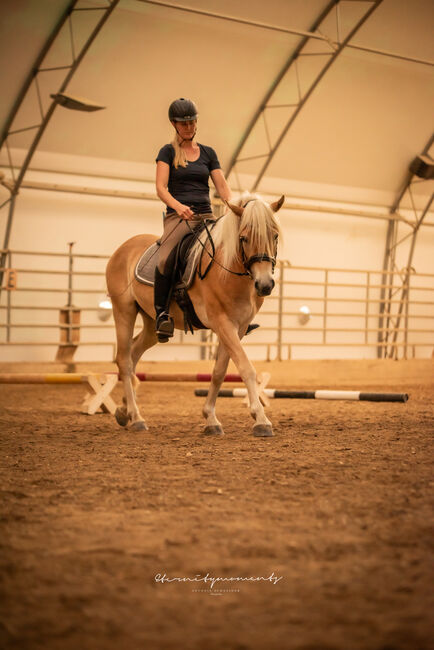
[145, 268]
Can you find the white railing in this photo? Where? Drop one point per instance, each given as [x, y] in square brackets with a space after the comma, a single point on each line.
[343, 308]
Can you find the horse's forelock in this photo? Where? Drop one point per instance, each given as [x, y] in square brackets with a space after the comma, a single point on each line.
[263, 225]
[258, 218]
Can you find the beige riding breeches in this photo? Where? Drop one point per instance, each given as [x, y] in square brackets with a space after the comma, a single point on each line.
[175, 228]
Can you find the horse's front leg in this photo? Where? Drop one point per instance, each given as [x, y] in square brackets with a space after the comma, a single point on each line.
[213, 426]
[228, 337]
[124, 333]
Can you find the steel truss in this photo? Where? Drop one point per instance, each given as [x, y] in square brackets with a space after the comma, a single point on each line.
[285, 76]
[394, 298]
[64, 29]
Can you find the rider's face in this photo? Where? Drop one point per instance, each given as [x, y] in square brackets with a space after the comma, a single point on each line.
[185, 129]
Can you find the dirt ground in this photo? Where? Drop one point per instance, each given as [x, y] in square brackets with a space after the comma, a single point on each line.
[334, 513]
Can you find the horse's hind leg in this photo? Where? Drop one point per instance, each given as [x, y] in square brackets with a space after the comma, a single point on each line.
[144, 340]
[125, 319]
[213, 426]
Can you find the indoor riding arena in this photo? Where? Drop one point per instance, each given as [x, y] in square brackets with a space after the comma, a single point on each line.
[297, 515]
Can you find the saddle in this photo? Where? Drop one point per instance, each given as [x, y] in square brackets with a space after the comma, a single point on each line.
[183, 277]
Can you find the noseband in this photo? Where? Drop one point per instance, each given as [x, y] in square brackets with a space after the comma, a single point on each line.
[263, 257]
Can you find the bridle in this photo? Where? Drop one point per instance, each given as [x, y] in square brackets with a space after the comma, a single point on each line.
[262, 257]
[247, 261]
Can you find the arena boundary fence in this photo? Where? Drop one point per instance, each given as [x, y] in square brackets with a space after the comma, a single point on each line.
[344, 309]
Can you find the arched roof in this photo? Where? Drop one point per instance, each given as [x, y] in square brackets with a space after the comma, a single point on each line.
[365, 121]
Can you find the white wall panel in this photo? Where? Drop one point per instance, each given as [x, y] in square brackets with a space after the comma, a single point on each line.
[46, 221]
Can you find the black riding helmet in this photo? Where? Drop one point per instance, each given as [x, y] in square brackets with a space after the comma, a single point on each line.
[182, 110]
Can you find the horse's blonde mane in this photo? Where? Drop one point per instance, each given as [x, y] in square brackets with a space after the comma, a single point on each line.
[258, 220]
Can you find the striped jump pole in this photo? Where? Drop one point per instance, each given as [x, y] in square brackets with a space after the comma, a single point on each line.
[40, 378]
[312, 394]
[182, 376]
[77, 378]
[102, 384]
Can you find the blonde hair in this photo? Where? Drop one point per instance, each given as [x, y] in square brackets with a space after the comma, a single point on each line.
[180, 157]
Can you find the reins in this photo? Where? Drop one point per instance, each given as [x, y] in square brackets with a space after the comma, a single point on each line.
[212, 256]
[247, 262]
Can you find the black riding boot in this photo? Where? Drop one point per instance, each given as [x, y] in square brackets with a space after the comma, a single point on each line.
[164, 322]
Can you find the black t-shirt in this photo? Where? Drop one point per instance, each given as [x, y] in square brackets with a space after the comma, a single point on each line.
[189, 185]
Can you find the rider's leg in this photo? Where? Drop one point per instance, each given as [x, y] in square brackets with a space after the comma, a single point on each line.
[164, 322]
[174, 230]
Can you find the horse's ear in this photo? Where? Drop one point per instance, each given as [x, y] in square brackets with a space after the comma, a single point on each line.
[236, 209]
[277, 204]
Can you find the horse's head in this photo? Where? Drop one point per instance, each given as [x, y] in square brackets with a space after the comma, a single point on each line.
[259, 232]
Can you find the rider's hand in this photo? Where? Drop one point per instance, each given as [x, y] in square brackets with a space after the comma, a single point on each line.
[184, 212]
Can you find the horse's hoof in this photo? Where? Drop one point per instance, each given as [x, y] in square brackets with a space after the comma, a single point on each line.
[138, 426]
[121, 416]
[213, 430]
[263, 430]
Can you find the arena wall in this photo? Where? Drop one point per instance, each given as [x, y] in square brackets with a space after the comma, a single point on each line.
[47, 220]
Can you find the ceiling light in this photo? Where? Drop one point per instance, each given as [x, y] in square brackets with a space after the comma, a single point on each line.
[423, 167]
[75, 103]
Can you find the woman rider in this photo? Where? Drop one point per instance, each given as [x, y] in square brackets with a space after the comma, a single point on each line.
[183, 171]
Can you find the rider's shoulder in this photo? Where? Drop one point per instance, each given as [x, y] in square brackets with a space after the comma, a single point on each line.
[209, 151]
[167, 148]
[166, 153]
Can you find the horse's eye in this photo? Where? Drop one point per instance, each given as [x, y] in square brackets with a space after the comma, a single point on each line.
[276, 237]
[243, 239]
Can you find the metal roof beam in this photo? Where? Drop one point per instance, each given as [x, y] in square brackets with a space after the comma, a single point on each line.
[14, 187]
[336, 49]
[27, 83]
[388, 311]
[288, 30]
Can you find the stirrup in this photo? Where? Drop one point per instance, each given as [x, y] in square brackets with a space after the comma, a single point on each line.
[164, 327]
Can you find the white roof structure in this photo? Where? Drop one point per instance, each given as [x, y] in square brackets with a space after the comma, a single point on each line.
[364, 122]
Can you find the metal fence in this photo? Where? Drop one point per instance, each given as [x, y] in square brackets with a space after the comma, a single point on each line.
[317, 308]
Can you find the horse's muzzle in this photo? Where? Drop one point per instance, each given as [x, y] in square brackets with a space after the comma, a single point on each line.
[264, 288]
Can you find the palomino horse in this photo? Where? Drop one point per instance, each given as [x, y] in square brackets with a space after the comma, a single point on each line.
[225, 300]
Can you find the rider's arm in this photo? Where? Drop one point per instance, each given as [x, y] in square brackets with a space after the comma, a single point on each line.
[161, 183]
[221, 185]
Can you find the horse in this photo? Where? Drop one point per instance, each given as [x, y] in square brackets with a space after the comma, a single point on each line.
[240, 265]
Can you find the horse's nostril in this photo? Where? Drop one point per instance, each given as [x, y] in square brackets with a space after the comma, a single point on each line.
[264, 289]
